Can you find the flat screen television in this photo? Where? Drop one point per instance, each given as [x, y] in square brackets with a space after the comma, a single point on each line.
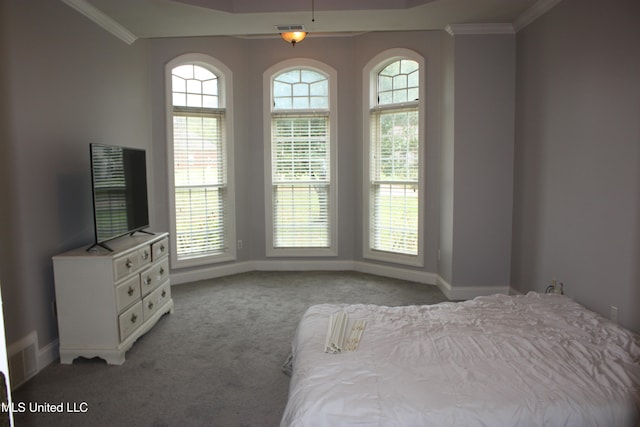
[119, 183]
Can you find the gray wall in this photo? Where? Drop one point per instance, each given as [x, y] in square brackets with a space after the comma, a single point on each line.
[65, 83]
[577, 156]
[477, 160]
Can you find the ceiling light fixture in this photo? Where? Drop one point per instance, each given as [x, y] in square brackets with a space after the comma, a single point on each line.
[293, 37]
[295, 33]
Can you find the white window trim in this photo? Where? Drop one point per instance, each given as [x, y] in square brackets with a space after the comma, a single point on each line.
[332, 250]
[369, 102]
[225, 78]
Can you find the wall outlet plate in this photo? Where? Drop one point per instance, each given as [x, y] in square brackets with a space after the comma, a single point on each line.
[614, 313]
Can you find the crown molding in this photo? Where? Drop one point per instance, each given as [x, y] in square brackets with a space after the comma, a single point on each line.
[478, 29]
[101, 19]
[534, 12]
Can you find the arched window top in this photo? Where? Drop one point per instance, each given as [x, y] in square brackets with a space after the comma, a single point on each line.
[300, 89]
[399, 82]
[195, 86]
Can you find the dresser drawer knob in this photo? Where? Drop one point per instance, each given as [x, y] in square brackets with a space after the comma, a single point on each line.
[150, 305]
[130, 291]
[164, 293]
[162, 248]
[147, 280]
[145, 255]
[161, 271]
[129, 263]
[133, 318]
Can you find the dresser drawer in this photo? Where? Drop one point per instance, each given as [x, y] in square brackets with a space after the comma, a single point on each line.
[130, 320]
[156, 299]
[152, 277]
[160, 249]
[131, 262]
[127, 293]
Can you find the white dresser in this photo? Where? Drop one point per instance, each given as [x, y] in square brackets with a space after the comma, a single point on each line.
[107, 300]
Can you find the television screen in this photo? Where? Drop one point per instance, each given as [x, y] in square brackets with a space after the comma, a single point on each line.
[119, 177]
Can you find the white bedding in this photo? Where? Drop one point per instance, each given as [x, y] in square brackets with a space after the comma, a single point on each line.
[528, 360]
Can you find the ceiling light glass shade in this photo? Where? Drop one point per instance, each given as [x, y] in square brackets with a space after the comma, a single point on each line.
[293, 37]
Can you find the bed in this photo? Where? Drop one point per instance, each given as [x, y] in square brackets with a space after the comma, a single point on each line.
[526, 360]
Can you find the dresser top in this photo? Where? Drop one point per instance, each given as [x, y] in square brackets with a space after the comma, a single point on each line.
[119, 245]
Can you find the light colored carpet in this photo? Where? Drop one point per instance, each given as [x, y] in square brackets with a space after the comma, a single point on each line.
[216, 360]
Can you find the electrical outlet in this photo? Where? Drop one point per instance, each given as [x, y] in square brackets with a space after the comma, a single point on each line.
[555, 287]
[614, 313]
[559, 288]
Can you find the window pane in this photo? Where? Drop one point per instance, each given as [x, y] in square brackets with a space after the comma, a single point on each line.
[178, 84]
[396, 149]
[399, 96]
[200, 221]
[317, 102]
[300, 89]
[300, 103]
[292, 76]
[210, 101]
[320, 88]
[210, 87]
[282, 89]
[301, 216]
[194, 100]
[179, 99]
[310, 76]
[394, 222]
[282, 103]
[194, 86]
[200, 73]
[184, 71]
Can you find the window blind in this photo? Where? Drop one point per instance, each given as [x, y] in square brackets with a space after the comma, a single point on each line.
[394, 180]
[300, 180]
[199, 181]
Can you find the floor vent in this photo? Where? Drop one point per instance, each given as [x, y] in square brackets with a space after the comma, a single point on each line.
[23, 360]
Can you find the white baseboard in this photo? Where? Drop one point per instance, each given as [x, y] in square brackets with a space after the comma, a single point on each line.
[396, 273]
[459, 293]
[48, 354]
[302, 265]
[182, 277]
[195, 275]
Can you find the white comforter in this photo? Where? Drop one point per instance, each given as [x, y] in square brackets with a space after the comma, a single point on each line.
[530, 360]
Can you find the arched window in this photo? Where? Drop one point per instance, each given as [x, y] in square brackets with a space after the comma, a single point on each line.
[300, 159]
[394, 169]
[199, 153]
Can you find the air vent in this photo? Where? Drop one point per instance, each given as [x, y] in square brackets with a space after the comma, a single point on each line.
[23, 360]
[289, 27]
